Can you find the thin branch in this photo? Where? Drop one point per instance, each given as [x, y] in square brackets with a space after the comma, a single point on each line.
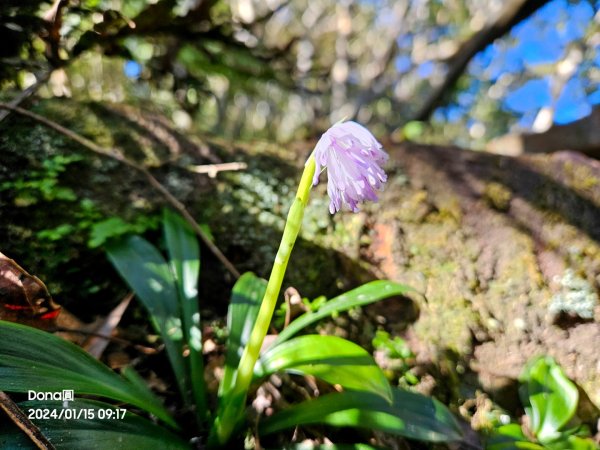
[114, 339]
[21, 420]
[119, 156]
[212, 169]
[25, 94]
[514, 12]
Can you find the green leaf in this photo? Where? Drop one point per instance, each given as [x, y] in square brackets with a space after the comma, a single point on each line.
[413, 130]
[131, 375]
[311, 446]
[329, 358]
[508, 441]
[246, 297]
[87, 433]
[144, 269]
[184, 253]
[571, 443]
[363, 295]
[56, 234]
[410, 415]
[31, 358]
[550, 398]
[577, 443]
[108, 228]
[510, 437]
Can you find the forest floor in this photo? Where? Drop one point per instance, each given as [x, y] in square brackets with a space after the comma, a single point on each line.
[505, 252]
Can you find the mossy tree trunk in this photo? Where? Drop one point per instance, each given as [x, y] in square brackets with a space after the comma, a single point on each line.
[507, 253]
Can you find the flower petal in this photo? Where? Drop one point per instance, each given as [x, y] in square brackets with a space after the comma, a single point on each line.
[352, 156]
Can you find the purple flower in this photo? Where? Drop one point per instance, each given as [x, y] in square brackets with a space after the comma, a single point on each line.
[353, 158]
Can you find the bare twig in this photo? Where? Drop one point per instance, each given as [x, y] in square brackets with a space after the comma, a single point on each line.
[25, 94]
[212, 169]
[119, 156]
[117, 340]
[21, 420]
[94, 334]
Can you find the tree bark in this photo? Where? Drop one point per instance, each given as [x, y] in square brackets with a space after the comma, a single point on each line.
[583, 136]
[514, 12]
[498, 245]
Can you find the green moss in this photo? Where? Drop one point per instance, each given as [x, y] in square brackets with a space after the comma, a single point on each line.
[579, 176]
[54, 191]
[497, 196]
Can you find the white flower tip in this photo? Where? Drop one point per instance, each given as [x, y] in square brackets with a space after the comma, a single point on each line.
[353, 157]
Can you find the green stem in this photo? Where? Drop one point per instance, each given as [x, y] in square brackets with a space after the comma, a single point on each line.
[225, 423]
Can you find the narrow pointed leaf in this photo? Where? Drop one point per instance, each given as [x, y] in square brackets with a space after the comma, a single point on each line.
[144, 269]
[311, 446]
[30, 358]
[362, 295]
[91, 425]
[184, 253]
[329, 358]
[246, 297]
[410, 415]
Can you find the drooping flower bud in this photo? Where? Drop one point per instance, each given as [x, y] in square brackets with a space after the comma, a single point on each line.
[353, 158]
